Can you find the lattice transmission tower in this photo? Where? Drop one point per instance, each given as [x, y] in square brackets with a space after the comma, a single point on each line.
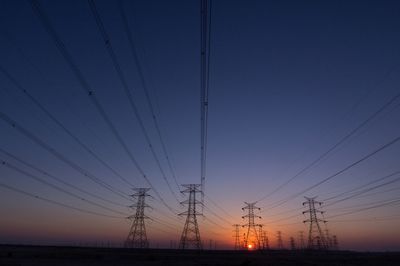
[191, 235]
[328, 238]
[279, 240]
[302, 243]
[236, 235]
[316, 238]
[265, 240]
[292, 243]
[260, 236]
[251, 239]
[335, 243]
[137, 237]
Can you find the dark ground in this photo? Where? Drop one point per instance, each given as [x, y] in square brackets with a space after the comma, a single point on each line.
[77, 256]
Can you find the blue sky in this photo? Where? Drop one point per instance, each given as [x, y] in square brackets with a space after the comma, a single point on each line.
[288, 79]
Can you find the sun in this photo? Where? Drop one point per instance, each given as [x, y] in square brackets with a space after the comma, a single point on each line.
[249, 246]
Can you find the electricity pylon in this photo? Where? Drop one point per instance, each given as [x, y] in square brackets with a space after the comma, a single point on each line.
[191, 235]
[292, 243]
[316, 239]
[265, 240]
[301, 240]
[251, 234]
[328, 239]
[279, 240]
[137, 237]
[260, 236]
[335, 243]
[237, 236]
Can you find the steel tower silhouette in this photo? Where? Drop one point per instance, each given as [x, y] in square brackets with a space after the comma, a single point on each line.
[302, 244]
[137, 237]
[316, 238]
[328, 238]
[260, 236]
[292, 243]
[251, 225]
[335, 243]
[265, 240]
[191, 236]
[279, 240]
[236, 231]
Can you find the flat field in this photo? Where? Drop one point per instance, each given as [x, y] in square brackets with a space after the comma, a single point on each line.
[79, 256]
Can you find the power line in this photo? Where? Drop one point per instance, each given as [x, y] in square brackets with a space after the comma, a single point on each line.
[357, 208]
[30, 62]
[364, 205]
[136, 60]
[386, 203]
[87, 89]
[378, 192]
[118, 69]
[165, 214]
[296, 223]
[374, 219]
[216, 215]
[56, 202]
[164, 223]
[215, 223]
[276, 222]
[59, 156]
[41, 180]
[173, 210]
[342, 140]
[58, 179]
[205, 29]
[361, 99]
[285, 218]
[385, 146]
[363, 191]
[362, 186]
[218, 206]
[159, 229]
[284, 212]
[62, 126]
[296, 215]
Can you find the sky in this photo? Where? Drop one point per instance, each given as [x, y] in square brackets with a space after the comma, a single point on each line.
[288, 80]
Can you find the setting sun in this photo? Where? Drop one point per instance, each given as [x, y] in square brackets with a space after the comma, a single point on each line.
[199, 132]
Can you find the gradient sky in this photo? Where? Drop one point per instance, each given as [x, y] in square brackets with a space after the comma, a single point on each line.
[288, 79]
